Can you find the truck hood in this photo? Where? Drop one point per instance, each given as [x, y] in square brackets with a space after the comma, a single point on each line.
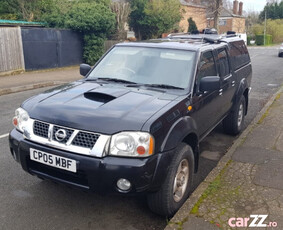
[102, 108]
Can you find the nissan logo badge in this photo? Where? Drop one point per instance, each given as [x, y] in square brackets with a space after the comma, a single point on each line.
[60, 135]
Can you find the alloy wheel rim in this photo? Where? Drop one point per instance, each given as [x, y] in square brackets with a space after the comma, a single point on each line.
[181, 180]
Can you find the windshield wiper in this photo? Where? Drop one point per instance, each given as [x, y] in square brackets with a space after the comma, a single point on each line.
[116, 80]
[163, 86]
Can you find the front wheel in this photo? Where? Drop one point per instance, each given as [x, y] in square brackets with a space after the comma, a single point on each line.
[233, 124]
[177, 185]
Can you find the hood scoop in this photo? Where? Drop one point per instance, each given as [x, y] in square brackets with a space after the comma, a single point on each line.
[99, 97]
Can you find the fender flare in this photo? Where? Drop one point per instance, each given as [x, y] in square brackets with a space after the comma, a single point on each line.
[243, 86]
[182, 128]
[178, 131]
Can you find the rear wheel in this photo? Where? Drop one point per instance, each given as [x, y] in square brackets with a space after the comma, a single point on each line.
[234, 122]
[178, 183]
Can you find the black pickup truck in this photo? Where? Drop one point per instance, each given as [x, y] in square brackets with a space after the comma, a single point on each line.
[134, 123]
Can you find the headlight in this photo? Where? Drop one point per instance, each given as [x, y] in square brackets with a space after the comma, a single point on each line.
[20, 120]
[132, 144]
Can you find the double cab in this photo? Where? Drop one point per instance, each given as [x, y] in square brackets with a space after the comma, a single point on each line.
[133, 124]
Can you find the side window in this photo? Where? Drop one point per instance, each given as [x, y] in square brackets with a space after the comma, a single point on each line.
[207, 66]
[239, 54]
[223, 62]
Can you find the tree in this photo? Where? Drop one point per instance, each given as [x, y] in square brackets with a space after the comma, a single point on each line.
[214, 8]
[28, 10]
[150, 19]
[192, 25]
[122, 11]
[93, 19]
[137, 16]
[273, 11]
[252, 18]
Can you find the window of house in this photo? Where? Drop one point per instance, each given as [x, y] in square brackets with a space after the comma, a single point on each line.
[222, 22]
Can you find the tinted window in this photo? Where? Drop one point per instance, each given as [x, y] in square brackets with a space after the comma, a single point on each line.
[223, 62]
[207, 65]
[239, 54]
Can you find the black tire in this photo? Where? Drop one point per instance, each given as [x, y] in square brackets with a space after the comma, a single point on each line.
[163, 202]
[233, 124]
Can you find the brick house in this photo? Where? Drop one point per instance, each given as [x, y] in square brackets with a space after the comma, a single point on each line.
[230, 21]
[193, 9]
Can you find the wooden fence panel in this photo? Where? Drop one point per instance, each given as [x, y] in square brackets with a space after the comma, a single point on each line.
[11, 49]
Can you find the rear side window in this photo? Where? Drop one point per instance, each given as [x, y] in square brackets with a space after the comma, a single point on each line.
[223, 62]
[239, 54]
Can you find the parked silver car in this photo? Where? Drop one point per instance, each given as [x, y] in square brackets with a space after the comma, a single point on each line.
[280, 53]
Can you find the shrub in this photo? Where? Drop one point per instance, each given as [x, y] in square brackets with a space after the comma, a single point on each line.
[192, 25]
[93, 48]
[93, 19]
[150, 19]
[260, 39]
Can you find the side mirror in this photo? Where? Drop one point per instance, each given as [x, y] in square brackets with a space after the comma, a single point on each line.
[210, 83]
[84, 69]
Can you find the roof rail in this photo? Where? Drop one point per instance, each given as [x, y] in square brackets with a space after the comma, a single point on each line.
[176, 34]
[202, 37]
[210, 38]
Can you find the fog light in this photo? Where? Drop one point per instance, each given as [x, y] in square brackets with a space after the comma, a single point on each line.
[124, 184]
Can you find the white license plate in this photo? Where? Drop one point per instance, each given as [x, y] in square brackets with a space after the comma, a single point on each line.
[53, 160]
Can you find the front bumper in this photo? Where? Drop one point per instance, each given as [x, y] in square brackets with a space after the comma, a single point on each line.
[95, 174]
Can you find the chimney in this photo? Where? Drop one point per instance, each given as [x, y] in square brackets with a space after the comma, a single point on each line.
[241, 8]
[235, 7]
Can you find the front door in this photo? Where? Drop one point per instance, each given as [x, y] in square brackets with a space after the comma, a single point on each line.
[206, 104]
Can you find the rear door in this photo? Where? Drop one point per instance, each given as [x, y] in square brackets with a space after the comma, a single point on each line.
[228, 81]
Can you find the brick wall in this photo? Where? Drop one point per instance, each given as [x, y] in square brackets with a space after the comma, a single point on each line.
[239, 25]
[231, 24]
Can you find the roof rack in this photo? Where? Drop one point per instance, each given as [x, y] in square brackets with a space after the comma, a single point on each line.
[202, 37]
[210, 38]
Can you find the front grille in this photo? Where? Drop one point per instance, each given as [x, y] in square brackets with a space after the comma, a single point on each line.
[69, 132]
[82, 139]
[40, 129]
[86, 140]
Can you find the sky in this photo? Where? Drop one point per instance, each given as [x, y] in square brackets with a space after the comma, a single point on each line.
[256, 5]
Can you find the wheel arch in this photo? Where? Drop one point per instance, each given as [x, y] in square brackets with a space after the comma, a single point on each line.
[246, 95]
[243, 89]
[183, 130]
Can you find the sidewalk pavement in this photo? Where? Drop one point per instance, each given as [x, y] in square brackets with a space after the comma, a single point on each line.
[247, 181]
[37, 79]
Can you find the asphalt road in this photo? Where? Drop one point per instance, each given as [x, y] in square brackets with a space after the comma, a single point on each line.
[26, 202]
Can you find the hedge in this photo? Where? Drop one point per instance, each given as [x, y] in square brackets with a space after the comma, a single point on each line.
[260, 39]
[249, 38]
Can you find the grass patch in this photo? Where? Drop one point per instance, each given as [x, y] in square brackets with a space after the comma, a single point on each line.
[267, 111]
[212, 188]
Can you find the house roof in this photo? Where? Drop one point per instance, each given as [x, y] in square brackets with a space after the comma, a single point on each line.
[225, 13]
[191, 3]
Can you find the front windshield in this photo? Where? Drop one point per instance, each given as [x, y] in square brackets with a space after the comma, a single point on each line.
[147, 66]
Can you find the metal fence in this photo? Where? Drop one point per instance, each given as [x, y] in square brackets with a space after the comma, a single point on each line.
[51, 48]
[11, 49]
[40, 48]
